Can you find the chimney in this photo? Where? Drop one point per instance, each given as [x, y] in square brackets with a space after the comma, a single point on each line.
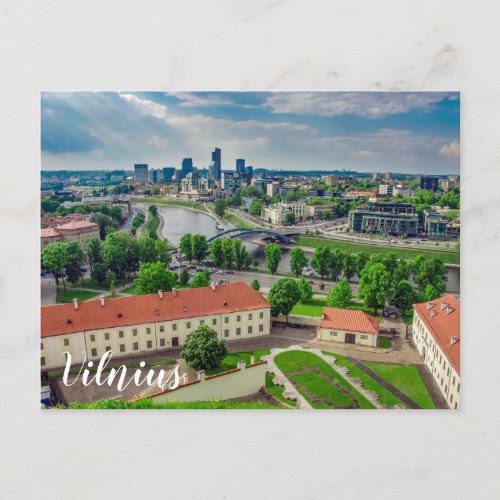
[75, 304]
[252, 360]
[101, 298]
[174, 292]
[201, 375]
[213, 286]
[449, 310]
[453, 340]
[160, 293]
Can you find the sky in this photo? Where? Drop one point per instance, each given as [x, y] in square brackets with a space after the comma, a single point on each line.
[405, 132]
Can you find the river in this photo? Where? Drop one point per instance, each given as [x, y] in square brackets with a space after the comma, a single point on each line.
[179, 220]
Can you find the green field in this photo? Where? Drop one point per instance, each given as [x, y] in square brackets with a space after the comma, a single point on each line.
[277, 391]
[326, 394]
[231, 360]
[69, 295]
[406, 379]
[405, 253]
[238, 221]
[151, 225]
[313, 307]
[148, 404]
[167, 201]
[91, 283]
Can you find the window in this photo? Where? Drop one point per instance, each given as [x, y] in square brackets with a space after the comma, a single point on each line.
[214, 321]
[249, 329]
[250, 317]
[150, 344]
[334, 334]
[451, 398]
[162, 328]
[92, 338]
[458, 387]
[122, 347]
[238, 331]
[162, 342]
[120, 334]
[238, 318]
[107, 348]
[94, 353]
[174, 326]
[454, 380]
[364, 337]
[202, 321]
[261, 328]
[148, 330]
[106, 336]
[41, 346]
[42, 361]
[226, 319]
[66, 341]
[455, 405]
[188, 324]
[446, 389]
[261, 315]
[134, 332]
[226, 333]
[136, 346]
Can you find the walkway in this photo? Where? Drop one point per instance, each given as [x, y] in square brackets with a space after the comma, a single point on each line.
[432, 388]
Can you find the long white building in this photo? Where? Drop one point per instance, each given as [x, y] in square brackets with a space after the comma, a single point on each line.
[134, 325]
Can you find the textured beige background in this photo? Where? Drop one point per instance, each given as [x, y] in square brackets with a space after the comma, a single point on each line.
[242, 45]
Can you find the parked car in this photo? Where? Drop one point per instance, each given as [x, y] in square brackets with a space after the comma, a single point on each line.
[229, 271]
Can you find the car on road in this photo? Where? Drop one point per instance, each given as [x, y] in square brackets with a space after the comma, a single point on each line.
[229, 272]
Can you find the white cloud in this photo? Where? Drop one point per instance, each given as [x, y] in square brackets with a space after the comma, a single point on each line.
[146, 106]
[157, 142]
[190, 99]
[451, 150]
[370, 105]
[367, 153]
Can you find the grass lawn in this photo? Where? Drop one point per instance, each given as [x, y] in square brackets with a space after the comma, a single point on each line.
[406, 379]
[130, 290]
[238, 221]
[148, 404]
[313, 307]
[277, 390]
[167, 201]
[406, 253]
[231, 360]
[91, 283]
[151, 225]
[385, 397]
[384, 342]
[313, 382]
[81, 295]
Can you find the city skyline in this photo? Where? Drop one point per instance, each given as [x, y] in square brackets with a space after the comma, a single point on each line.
[405, 132]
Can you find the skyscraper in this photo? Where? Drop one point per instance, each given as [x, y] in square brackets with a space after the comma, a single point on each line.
[216, 164]
[168, 173]
[429, 183]
[141, 173]
[187, 167]
[240, 166]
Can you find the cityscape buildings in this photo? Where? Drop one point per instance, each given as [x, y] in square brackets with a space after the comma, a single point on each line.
[141, 175]
[429, 183]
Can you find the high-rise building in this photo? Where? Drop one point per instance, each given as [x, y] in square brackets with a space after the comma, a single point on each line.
[388, 176]
[249, 174]
[154, 176]
[216, 165]
[375, 177]
[330, 180]
[187, 167]
[240, 166]
[141, 173]
[168, 173]
[429, 183]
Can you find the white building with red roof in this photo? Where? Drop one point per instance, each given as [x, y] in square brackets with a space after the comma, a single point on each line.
[80, 231]
[436, 333]
[137, 325]
[348, 326]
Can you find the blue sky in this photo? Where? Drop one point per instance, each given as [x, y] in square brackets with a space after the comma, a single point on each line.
[410, 132]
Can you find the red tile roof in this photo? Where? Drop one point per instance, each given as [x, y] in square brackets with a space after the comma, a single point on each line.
[124, 311]
[49, 231]
[442, 319]
[349, 321]
[80, 224]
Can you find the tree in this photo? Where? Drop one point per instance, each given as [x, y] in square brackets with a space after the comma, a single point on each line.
[199, 246]
[430, 272]
[153, 210]
[374, 285]
[99, 272]
[216, 252]
[273, 256]
[428, 294]
[404, 295]
[363, 258]
[340, 295]
[298, 261]
[94, 251]
[153, 276]
[113, 253]
[283, 296]
[220, 207]
[74, 261]
[451, 216]
[201, 279]
[228, 252]
[184, 277]
[242, 257]
[255, 208]
[289, 219]
[111, 281]
[350, 265]
[105, 223]
[203, 350]
[337, 264]
[162, 252]
[185, 247]
[255, 285]
[321, 261]
[147, 250]
[305, 290]
[54, 258]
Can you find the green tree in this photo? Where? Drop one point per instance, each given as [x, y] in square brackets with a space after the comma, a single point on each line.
[404, 296]
[114, 255]
[340, 295]
[201, 279]
[153, 210]
[99, 272]
[203, 350]
[184, 277]
[362, 258]
[49, 206]
[298, 261]
[185, 247]
[162, 252]
[217, 253]
[74, 261]
[255, 208]
[430, 272]
[199, 246]
[337, 264]
[374, 285]
[105, 223]
[321, 261]
[54, 257]
[350, 265]
[242, 257]
[289, 219]
[94, 251]
[111, 281]
[147, 250]
[283, 296]
[228, 252]
[429, 293]
[255, 285]
[273, 256]
[305, 290]
[153, 276]
[220, 207]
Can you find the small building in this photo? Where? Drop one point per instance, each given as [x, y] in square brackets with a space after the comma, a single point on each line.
[317, 211]
[348, 326]
[79, 231]
[436, 333]
[435, 225]
[276, 214]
